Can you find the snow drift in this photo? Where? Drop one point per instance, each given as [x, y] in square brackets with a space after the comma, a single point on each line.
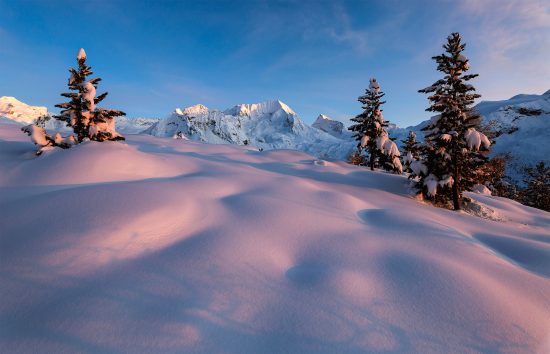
[167, 245]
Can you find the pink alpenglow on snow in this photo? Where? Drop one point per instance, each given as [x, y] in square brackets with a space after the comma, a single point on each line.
[160, 245]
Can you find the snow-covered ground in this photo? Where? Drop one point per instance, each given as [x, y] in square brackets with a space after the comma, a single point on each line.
[166, 245]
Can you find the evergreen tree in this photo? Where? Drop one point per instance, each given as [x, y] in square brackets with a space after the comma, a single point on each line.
[411, 148]
[451, 152]
[537, 193]
[370, 131]
[80, 113]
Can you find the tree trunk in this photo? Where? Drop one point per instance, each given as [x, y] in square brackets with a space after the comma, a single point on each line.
[372, 160]
[456, 191]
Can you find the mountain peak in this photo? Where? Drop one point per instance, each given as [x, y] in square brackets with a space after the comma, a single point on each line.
[266, 107]
[196, 109]
[328, 125]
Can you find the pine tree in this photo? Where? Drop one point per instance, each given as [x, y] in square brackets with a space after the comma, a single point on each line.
[537, 193]
[411, 148]
[371, 134]
[451, 155]
[80, 113]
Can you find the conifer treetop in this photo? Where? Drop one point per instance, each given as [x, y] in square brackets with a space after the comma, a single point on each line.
[81, 55]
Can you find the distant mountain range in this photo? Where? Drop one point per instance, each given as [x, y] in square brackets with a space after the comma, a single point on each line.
[521, 125]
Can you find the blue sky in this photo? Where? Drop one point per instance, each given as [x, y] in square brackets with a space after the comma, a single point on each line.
[317, 56]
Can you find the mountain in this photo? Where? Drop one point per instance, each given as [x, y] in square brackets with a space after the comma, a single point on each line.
[328, 125]
[132, 125]
[268, 125]
[169, 246]
[521, 124]
[12, 108]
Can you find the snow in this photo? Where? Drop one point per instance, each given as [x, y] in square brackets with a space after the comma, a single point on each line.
[12, 108]
[81, 54]
[476, 139]
[462, 58]
[397, 164]
[137, 125]
[374, 86]
[446, 181]
[266, 125]
[431, 184]
[419, 168]
[408, 158]
[89, 92]
[330, 126]
[196, 109]
[163, 245]
[445, 137]
[481, 189]
[258, 109]
[38, 135]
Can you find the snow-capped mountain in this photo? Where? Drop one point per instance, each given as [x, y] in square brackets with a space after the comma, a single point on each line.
[13, 109]
[128, 125]
[268, 125]
[328, 125]
[522, 126]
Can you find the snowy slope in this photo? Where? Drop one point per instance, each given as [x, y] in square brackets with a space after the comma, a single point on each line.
[523, 125]
[13, 109]
[267, 125]
[163, 245]
[130, 125]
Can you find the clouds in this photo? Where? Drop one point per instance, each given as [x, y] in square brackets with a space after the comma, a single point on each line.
[511, 39]
[317, 55]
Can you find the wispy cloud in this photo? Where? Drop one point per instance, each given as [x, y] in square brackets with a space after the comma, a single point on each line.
[342, 31]
[513, 44]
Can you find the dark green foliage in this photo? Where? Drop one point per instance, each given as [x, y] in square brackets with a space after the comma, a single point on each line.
[537, 192]
[411, 150]
[371, 124]
[452, 161]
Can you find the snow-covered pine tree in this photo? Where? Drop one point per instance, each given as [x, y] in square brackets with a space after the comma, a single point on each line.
[80, 113]
[45, 141]
[451, 152]
[537, 193]
[371, 134]
[411, 149]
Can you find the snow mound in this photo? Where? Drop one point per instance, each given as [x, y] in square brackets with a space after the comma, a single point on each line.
[166, 245]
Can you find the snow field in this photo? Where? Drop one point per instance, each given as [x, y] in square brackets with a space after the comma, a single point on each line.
[165, 245]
